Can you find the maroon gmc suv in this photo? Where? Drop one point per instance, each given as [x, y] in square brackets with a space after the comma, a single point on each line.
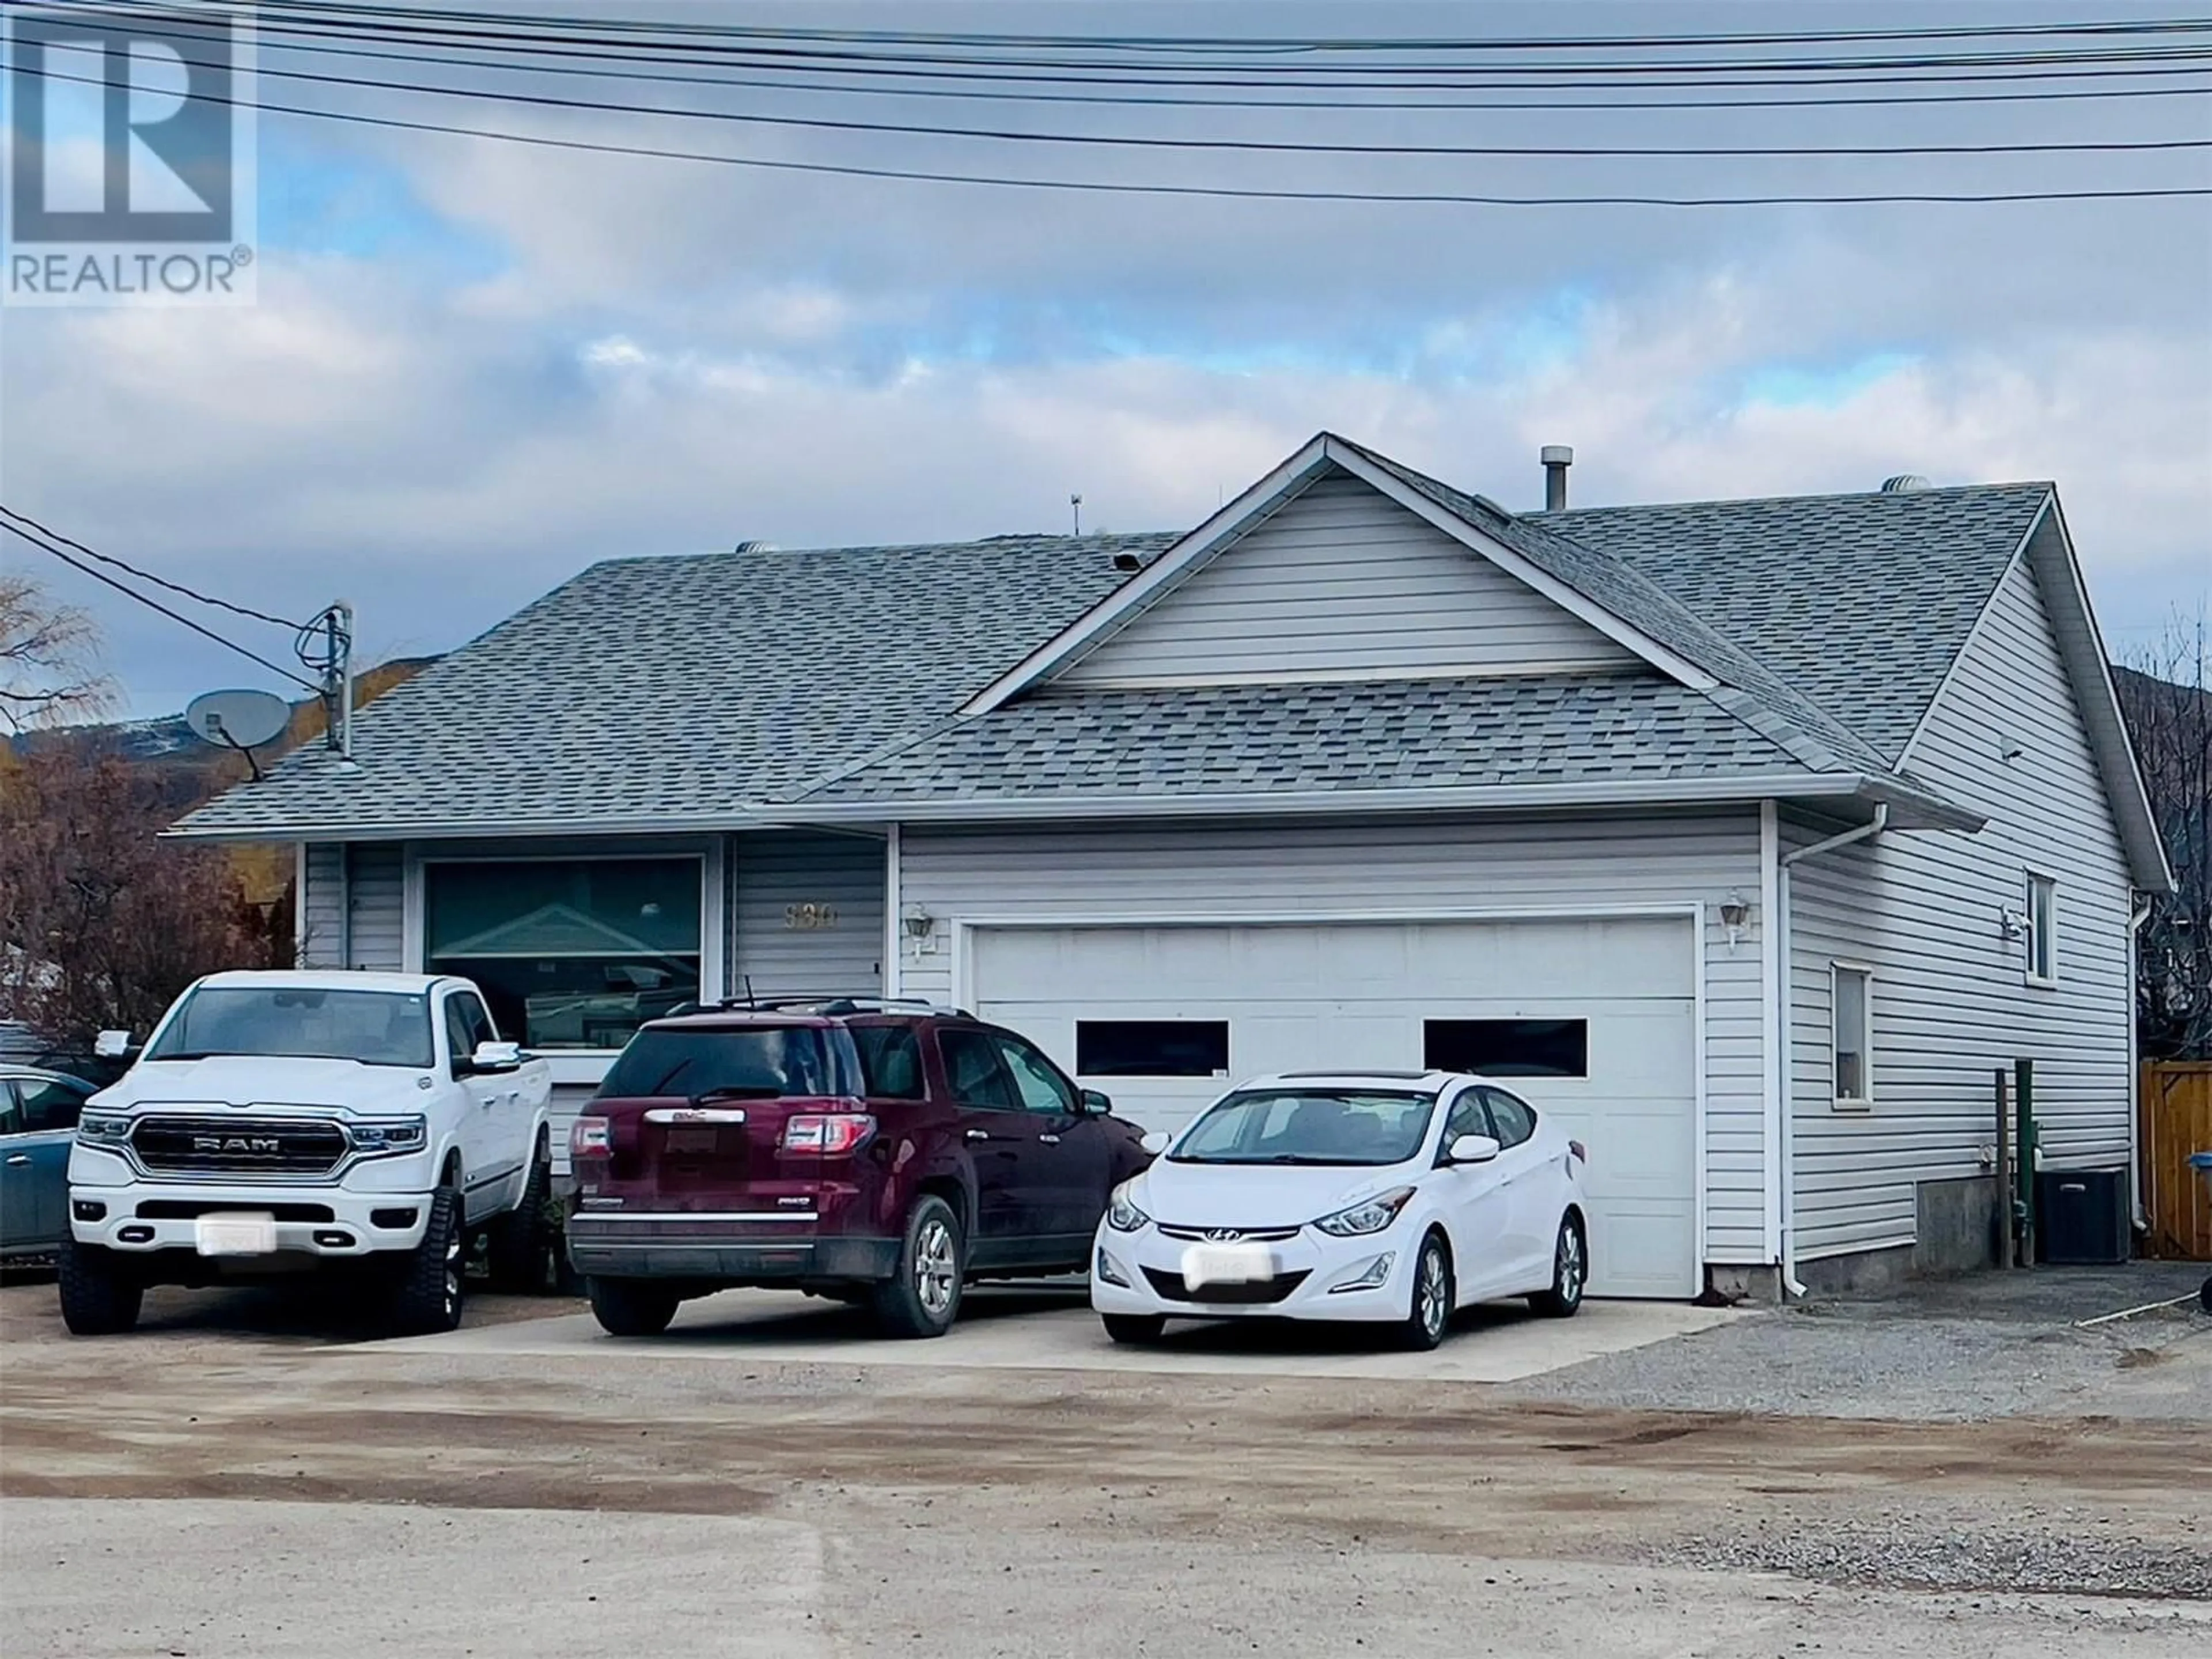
[879, 1152]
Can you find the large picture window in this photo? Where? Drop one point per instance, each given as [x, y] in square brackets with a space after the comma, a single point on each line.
[571, 953]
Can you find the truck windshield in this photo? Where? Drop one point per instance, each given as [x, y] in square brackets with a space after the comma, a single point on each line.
[377, 1028]
[764, 1063]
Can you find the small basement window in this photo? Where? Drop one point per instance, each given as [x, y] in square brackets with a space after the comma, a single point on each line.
[1507, 1048]
[2042, 930]
[1854, 1036]
[1152, 1047]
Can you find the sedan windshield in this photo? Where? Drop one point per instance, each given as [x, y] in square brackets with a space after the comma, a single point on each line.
[1309, 1126]
[377, 1028]
[763, 1062]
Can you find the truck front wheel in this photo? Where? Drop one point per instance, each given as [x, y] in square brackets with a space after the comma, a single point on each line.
[100, 1295]
[428, 1297]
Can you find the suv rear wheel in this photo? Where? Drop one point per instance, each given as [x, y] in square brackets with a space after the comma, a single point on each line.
[923, 1299]
[632, 1307]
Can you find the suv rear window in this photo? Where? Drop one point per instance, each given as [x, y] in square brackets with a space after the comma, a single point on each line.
[763, 1061]
[890, 1061]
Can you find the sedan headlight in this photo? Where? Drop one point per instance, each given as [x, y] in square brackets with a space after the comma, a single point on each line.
[391, 1134]
[1121, 1215]
[103, 1128]
[1369, 1215]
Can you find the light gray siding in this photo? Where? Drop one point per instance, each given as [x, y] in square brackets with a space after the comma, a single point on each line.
[354, 908]
[1342, 581]
[783, 881]
[1924, 911]
[1402, 869]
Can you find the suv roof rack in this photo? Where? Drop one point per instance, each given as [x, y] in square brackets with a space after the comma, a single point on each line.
[829, 1006]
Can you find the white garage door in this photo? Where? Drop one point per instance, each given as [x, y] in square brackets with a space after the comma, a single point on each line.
[1165, 1017]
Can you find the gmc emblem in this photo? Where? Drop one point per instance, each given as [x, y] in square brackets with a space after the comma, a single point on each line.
[236, 1144]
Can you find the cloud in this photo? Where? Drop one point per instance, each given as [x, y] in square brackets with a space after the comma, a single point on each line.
[475, 367]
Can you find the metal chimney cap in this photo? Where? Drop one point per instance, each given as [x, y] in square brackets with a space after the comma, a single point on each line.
[1557, 455]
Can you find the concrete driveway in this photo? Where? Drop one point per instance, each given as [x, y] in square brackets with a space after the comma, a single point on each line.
[1055, 1330]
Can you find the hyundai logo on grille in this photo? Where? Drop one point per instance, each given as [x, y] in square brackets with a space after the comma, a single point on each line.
[1223, 1235]
[236, 1144]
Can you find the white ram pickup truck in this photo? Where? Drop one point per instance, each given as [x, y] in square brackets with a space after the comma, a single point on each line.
[357, 1124]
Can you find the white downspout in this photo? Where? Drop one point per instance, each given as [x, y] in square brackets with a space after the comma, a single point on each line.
[1791, 1286]
[1773, 1022]
[2136, 1215]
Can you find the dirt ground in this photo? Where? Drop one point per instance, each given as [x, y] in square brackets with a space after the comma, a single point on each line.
[899, 1507]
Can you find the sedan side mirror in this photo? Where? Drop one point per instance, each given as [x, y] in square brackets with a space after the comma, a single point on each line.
[1472, 1149]
[1156, 1142]
[492, 1058]
[112, 1045]
[1095, 1104]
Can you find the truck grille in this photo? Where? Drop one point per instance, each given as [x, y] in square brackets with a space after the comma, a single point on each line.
[234, 1147]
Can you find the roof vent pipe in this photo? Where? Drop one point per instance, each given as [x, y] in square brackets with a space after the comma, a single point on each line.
[1557, 459]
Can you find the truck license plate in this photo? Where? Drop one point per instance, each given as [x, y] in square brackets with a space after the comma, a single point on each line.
[242, 1233]
[1226, 1264]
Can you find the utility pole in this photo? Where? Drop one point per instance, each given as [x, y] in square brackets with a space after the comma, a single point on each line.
[337, 678]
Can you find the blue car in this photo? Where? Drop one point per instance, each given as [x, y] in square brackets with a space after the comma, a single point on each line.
[38, 1119]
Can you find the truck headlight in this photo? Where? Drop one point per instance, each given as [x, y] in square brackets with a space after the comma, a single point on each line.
[103, 1128]
[391, 1134]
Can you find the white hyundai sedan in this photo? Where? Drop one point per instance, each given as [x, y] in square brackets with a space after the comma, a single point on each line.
[1391, 1197]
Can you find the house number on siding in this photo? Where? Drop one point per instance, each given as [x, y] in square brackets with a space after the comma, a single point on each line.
[809, 916]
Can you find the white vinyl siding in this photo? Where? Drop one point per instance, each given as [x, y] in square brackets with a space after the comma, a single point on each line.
[808, 910]
[353, 912]
[1928, 912]
[1374, 869]
[1341, 582]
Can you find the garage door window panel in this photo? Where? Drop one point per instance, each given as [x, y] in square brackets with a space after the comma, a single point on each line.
[1508, 1048]
[1152, 1047]
[572, 953]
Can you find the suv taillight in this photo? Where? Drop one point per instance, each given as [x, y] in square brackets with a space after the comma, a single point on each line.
[827, 1132]
[591, 1137]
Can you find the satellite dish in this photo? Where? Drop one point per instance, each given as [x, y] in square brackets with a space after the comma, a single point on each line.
[238, 719]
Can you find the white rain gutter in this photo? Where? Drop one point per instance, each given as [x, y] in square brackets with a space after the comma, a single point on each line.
[2137, 1217]
[1791, 1286]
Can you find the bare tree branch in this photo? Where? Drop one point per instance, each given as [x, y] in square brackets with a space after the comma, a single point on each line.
[48, 655]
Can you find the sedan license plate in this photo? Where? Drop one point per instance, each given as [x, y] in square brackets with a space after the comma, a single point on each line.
[1226, 1264]
[240, 1234]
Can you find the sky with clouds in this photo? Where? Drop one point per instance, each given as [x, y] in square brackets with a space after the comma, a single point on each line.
[475, 367]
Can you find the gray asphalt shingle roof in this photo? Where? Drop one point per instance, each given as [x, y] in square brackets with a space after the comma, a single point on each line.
[690, 686]
[717, 687]
[1861, 601]
[1443, 734]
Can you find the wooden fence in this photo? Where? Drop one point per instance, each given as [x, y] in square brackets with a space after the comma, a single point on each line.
[2176, 1120]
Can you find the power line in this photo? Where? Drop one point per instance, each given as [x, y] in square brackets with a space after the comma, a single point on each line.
[148, 576]
[1396, 106]
[1099, 186]
[2037, 65]
[2090, 28]
[1249, 146]
[8, 524]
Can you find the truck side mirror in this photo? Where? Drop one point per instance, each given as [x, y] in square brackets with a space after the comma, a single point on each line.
[493, 1058]
[112, 1045]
